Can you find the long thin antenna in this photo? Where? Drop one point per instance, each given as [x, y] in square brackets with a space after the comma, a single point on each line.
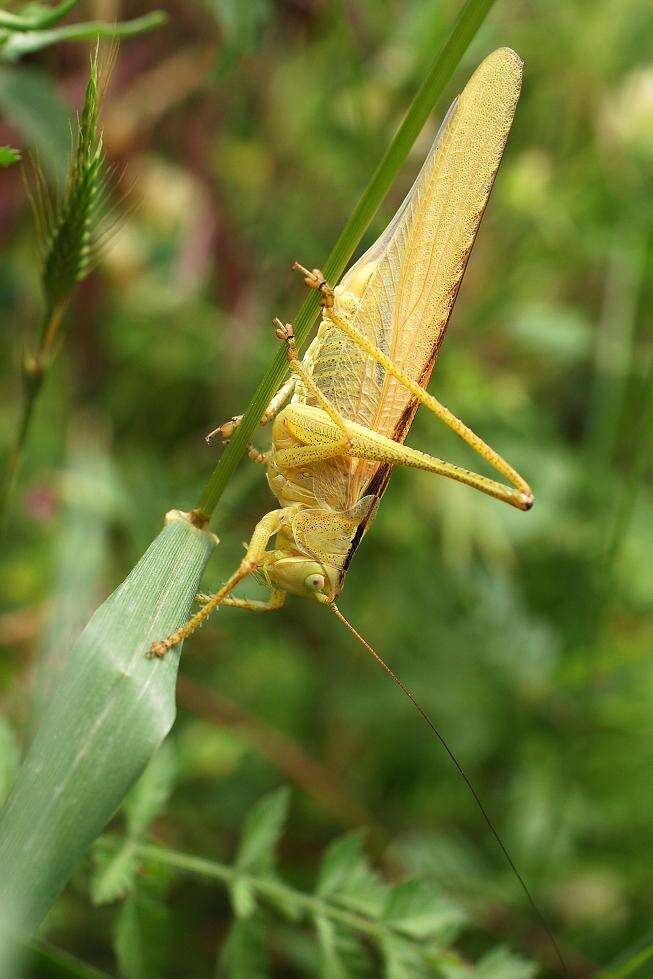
[463, 774]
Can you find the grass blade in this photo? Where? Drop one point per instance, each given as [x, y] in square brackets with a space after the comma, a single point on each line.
[110, 710]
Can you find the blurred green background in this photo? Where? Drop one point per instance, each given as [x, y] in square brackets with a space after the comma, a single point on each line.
[246, 132]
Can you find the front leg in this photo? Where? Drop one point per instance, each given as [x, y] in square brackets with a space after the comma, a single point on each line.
[254, 558]
[227, 429]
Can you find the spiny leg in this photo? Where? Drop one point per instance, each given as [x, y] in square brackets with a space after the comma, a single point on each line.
[315, 280]
[227, 429]
[397, 454]
[255, 557]
[320, 444]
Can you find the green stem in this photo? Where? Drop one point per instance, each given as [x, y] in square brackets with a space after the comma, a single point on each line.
[275, 891]
[35, 22]
[19, 45]
[34, 373]
[470, 19]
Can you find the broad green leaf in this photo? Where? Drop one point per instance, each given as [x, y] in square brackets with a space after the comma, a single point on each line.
[31, 104]
[115, 869]
[8, 155]
[9, 758]
[110, 710]
[262, 829]
[243, 955]
[140, 935]
[346, 875]
[149, 796]
[418, 909]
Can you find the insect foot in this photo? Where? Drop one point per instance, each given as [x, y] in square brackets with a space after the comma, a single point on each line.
[315, 280]
[283, 331]
[158, 649]
[225, 431]
[257, 456]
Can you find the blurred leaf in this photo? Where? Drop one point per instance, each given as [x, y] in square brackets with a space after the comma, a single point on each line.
[342, 956]
[240, 23]
[148, 798]
[244, 954]
[35, 15]
[403, 960]
[114, 871]
[31, 104]
[346, 875]
[502, 964]
[141, 935]
[19, 45]
[263, 827]
[559, 332]
[418, 909]
[8, 155]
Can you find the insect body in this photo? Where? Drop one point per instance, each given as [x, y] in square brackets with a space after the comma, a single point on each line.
[355, 392]
[354, 395]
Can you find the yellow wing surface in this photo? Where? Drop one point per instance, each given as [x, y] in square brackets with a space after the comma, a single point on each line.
[408, 280]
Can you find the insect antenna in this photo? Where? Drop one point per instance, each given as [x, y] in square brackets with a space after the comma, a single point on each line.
[463, 774]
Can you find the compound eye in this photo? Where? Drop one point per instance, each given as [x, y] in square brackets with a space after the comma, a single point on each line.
[314, 582]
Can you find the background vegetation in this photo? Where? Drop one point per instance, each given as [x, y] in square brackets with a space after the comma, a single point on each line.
[247, 132]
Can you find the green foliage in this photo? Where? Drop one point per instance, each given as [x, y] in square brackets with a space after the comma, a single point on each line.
[358, 918]
[140, 934]
[115, 871]
[32, 29]
[528, 637]
[17, 45]
[113, 726]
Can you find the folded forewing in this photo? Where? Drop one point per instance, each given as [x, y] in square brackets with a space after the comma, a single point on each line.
[410, 277]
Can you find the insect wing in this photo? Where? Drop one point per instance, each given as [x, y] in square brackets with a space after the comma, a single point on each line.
[409, 279]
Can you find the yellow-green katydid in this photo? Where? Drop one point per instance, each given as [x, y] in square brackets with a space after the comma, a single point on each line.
[355, 392]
